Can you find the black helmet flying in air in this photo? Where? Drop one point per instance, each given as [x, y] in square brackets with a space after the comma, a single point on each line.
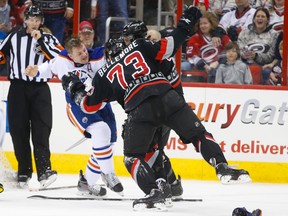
[135, 30]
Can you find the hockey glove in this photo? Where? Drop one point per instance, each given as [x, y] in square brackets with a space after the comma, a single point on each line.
[244, 212]
[189, 18]
[232, 33]
[74, 87]
[218, 32]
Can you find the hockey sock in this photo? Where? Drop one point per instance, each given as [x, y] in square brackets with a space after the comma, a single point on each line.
[93, 171]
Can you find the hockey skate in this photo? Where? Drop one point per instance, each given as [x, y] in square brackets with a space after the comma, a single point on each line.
[47, 178]
[177, 189]
[113, 183]
[153, 201]
[228, 175]
[1, 188]
[23, 181]
[165, 188]
[86, 190]
[244, 212]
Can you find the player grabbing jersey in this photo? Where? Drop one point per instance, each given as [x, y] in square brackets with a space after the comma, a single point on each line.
[99, 126]
[134, 78]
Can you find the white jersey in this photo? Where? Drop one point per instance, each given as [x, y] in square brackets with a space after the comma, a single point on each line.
[62, 64]
[277, 21]
[230, 19]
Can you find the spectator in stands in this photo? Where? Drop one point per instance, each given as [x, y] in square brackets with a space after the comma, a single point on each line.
[275, 77]
[279, 39]
[113, 8]
[234, 21]
[220, 7]
[234, 71]
[5, 26]
[261, 3]
[257, 43]
[202, 5]
[55, 15]
[88, 9]
[200, 51]
[87, 35]
[277, 15]
[17, 13]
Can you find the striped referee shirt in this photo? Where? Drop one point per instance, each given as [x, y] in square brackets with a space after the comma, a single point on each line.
[24, 50]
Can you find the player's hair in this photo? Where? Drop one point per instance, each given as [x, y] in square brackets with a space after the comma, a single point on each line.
[136, 29]
[73, 41]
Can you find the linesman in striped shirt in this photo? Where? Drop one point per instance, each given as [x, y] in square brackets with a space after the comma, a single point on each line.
[29, 99]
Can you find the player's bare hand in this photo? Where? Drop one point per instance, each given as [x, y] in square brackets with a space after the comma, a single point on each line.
[36, 34]
[31, 70]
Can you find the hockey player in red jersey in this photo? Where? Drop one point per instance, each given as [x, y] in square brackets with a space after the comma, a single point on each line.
[135, 80]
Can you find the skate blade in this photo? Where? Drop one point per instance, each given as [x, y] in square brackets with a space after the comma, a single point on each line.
[242, 179]
[49, 181]
[23, 185]
[159, 207]
[88, 194]
[120, 193]
[168, 202]
[177, 197]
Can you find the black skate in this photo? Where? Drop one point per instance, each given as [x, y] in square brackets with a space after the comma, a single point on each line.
[86, 190]
[23, 181]
[1, 188]
[153, 201]
[228, 175]
[113, 183]
[47, 178]
[177, 189]
[244, 212]
[165, 188]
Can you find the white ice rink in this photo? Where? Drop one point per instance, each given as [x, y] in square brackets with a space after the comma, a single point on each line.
[218, 200]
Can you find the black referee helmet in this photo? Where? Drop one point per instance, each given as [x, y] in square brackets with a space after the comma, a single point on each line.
[33, 11]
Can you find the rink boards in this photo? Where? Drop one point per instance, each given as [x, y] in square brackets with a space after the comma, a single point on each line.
[248, 123]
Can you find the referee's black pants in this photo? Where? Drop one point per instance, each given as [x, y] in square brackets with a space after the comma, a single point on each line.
[30, 113]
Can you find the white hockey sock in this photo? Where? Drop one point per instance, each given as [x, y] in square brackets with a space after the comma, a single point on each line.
[93, 171]
[104, 157]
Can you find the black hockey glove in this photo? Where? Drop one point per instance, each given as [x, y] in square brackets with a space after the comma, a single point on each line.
[75, 88]
[218, 32]
[232, 33]
[189, 18]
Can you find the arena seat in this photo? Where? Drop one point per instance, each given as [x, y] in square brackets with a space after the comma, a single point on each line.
[193, 76]
[256, 72]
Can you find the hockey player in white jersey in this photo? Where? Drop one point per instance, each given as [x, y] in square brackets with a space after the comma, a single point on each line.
[99, 126]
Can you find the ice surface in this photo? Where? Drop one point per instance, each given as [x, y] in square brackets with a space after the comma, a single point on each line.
[218, 200]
